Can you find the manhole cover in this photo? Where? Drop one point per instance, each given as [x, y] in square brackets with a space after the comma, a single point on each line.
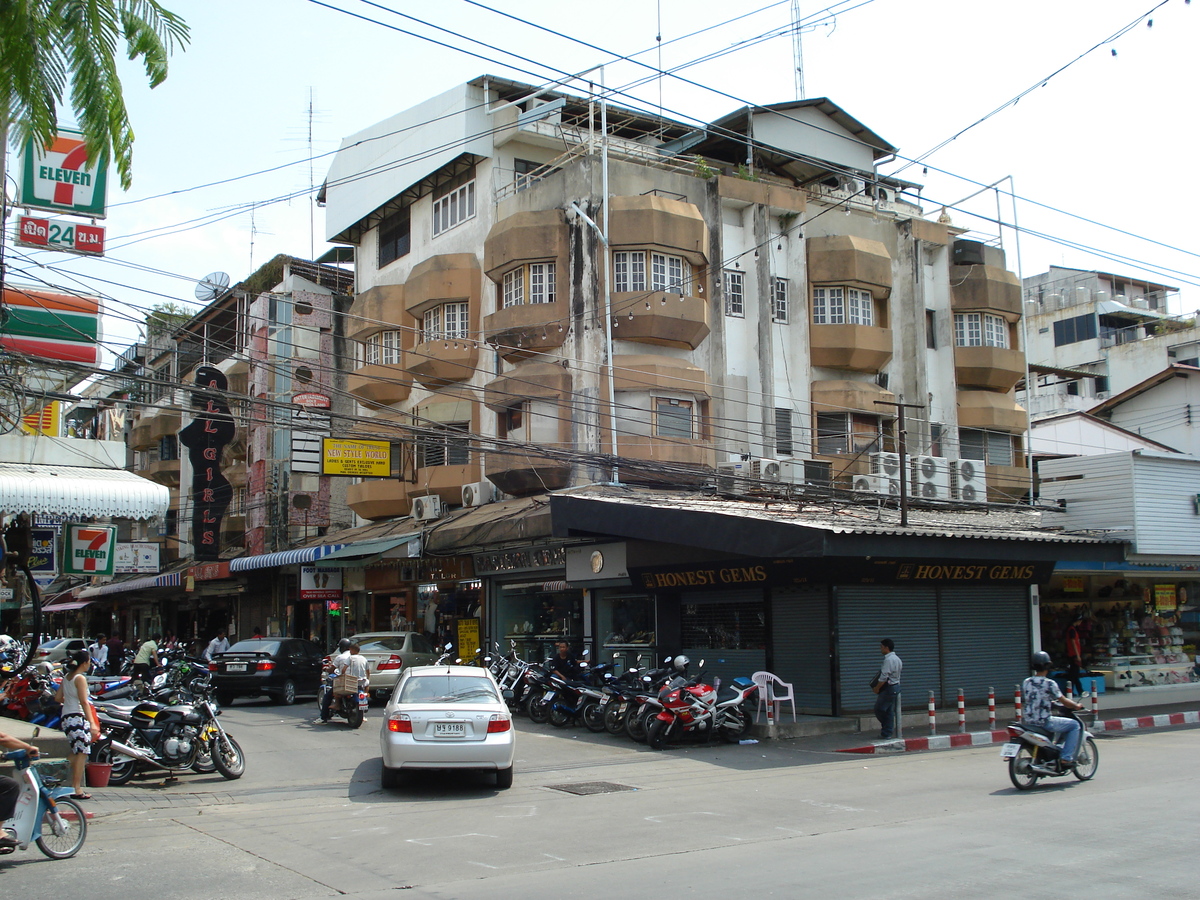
[591, 787]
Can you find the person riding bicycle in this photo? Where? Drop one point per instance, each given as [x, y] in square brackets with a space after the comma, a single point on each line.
[1038, 692]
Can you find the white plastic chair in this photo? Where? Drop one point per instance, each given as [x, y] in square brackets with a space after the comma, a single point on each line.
[773, 689]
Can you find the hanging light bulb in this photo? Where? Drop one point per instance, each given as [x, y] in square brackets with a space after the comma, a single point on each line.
[615, 322]
[648, 302]
[756, 253]
[631, 315]
[560, 327]
[780, 247]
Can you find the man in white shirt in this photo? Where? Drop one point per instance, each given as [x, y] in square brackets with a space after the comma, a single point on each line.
[336, 666]
[98, 650]
[217, 645]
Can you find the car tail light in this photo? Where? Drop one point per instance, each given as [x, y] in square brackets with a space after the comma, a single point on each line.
[499, 723]
[212, 667]
[401, 723]
[391, 663]
[265, 665]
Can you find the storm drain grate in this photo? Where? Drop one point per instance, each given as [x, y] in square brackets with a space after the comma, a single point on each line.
[591, 787]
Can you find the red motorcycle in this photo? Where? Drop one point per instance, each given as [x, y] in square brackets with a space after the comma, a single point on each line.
[30, 696]
[692, 708]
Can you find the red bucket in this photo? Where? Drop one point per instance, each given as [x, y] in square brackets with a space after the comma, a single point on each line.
[98, 774]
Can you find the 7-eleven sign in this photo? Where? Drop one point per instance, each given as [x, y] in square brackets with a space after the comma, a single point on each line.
[90, 549]
[57, 177]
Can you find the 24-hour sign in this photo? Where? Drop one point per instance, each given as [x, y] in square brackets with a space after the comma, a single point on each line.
[60, 234]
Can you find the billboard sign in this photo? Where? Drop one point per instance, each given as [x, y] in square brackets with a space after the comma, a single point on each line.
[60, 234]
[50, 325]
[364, 459]
[320, 584]
[136, 558]
[90, 549]
[58, 178]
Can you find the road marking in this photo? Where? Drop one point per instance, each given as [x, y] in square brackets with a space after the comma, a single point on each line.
[658, 819]
[822, 805]
[428, 842]
[530, 811]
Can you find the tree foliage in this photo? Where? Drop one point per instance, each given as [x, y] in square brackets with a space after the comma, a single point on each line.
[52, 48]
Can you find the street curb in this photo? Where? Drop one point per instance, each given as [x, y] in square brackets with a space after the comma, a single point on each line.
[999, 736]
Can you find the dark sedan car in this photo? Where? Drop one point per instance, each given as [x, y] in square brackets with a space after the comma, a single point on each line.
[281, 668]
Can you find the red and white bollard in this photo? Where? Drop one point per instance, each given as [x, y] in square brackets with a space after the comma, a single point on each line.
[1095, 703]
[1017, 702]
[962, 711]
[1070, 691]
[932, 715]
[991, 709]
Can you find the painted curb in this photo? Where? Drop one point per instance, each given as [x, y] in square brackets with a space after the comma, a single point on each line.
[999, 736]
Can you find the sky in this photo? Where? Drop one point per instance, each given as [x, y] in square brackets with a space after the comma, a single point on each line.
[230, 148]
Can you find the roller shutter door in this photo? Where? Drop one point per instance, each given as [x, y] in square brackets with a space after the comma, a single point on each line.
[727, 630]
[985, 641]
[800, 642]
[909, 617]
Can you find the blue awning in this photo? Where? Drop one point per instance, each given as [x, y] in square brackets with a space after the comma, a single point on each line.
[282, 558]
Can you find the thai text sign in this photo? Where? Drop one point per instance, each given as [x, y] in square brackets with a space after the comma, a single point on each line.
[60, 234]
[360, 458]
[57, 177]
[89, 549]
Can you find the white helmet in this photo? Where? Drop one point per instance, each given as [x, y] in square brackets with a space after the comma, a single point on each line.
[681, 662]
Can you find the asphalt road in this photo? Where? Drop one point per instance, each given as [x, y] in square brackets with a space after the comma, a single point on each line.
[309, 821]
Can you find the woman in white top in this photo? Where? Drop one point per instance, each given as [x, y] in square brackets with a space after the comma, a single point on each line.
[78, 722]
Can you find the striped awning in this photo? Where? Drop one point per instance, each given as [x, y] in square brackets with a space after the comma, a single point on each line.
[168, 579]
[75, 491]
[282, 558]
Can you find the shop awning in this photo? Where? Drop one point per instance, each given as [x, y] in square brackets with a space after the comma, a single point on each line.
[361, 553]
[168, 579]
[282, 558]
[63, 607]
[75, 491]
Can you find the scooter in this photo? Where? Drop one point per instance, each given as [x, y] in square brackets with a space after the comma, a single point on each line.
[46, 814]
[350, 705]
[1033, 753]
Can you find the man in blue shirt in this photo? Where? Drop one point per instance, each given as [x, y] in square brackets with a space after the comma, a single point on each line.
[1038, 692]
[887, 688]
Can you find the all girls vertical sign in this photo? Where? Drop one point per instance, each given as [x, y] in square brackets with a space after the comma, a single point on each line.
[211, 429]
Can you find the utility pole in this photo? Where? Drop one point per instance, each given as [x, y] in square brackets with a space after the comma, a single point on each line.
[902, 448]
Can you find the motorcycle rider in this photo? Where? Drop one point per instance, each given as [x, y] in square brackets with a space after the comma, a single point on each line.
[99, 653]
[336, 665]
[10, 789]
[1038, 692]
[564, 662]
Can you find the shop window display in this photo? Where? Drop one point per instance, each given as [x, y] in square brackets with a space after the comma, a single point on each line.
[724, 626]
[535, 615]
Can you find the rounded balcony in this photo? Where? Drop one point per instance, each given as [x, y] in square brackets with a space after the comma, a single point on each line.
[380, 385]
[376, 309]
[440, 362]
[990, 368]
[985, 288]
[518, 332]
[850, 260]
[662, 318]
[857, 348]
[650, 221]
[379, 498]
[991, 411]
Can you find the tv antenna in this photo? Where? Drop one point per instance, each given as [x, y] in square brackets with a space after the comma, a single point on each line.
[212, 286]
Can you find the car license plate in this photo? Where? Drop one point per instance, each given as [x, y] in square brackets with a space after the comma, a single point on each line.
[235, 667]
[448, 729]
[1008, 751]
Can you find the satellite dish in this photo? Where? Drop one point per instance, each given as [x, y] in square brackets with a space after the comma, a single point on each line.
[212, 286]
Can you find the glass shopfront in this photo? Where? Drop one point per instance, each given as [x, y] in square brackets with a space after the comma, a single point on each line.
[533, 615]
[625, 628]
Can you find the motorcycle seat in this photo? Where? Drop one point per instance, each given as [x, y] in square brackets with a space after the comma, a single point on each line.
[1038, 729]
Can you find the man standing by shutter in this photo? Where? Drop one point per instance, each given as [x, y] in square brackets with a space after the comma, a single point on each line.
[888, 689]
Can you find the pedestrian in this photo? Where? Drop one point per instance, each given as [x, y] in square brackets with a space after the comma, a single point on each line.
[116, 654]
[218, 644]
[146, 657]
[79, 721]
[887, 688]
[258, 635]
[99, 653]
[10, 789]
[1074, 640]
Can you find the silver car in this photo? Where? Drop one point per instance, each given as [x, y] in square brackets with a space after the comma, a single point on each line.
[447, 717]
[389, 653]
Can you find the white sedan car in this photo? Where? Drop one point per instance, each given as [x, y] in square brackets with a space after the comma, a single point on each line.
[447, 717]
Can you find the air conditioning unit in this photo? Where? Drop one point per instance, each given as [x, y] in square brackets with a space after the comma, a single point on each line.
[968, 481]
[885, 464]
[931, 478]
[478, 493]
[877, 484]
[739, 474]
[425, 509]
[770, 469]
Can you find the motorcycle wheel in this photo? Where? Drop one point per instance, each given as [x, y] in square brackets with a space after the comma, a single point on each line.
[735, 725]
[1018, 769]
[355, 717]
[593, 718]
[203, 763]
[73, 830]
[559, 717]
[614, 719]
[123, 771]
[1087, 760]
[539, 711]
[656, 735]
[228, 756]
[636, 725]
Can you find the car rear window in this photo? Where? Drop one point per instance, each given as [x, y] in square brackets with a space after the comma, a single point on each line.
[377, 645]
[271, 647]
[446, 689]
[54, 643]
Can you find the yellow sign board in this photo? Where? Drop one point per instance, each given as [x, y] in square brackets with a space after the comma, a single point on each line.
[360, 458]
[468, 638]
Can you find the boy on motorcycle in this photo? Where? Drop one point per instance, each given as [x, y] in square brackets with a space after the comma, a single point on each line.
[10, 789]
[1038, 692]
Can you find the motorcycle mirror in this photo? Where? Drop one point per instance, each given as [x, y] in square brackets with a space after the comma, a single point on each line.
[667, 660]
[702, 663]
[646, 678]
[586, 652]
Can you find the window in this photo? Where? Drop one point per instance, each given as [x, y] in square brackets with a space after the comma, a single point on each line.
[779, 300]
[629, 271]
[527, 173]
[980, 330]
[1074, 330]
[841, 305]
[168, 448]
[848, 433]
[535, 281]
[447, 322]
[161, 387]
[783, 431]
[994, 447]
[930, 329]
[449, 446]
[673, 418]
[382, 349]
[512, 422]
[454, 208]
[395, 237]
[666, 273]
[735, 300]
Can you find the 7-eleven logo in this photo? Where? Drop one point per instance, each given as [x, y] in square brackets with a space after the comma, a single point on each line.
[90, 549]
[57, 176]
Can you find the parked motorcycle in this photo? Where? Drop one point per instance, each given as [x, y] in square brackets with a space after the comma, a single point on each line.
[690, 707]
[168, 738]
[45, 814]
[1034, 753]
